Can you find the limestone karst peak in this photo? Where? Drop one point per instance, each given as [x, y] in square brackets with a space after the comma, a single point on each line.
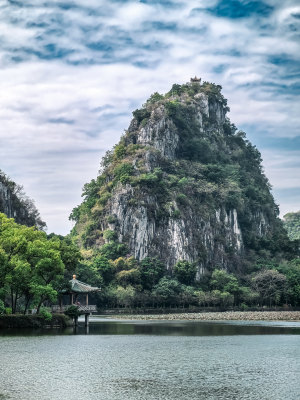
[183, 183]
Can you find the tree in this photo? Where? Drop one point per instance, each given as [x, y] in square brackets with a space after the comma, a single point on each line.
[125, 296]
[151, 270]
[31, 266]
[185, 272]
[248, 296]
[128, 277]
[225, 282]
[105, 268]
[188, 295]
[167, 290]
[270, 285]
[113, 250]
[291, 270]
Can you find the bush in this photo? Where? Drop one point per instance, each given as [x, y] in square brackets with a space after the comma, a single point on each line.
[123, 172]
[72, 312]
[120, 151]
[109, 235]
[104, 198]
[46, 314]
[111, 219]
[155, 97]
[141, 114]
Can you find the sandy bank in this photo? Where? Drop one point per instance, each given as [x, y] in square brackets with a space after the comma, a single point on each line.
[220, 316]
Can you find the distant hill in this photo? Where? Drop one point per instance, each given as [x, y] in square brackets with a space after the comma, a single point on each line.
[291, 223]
[15, 204]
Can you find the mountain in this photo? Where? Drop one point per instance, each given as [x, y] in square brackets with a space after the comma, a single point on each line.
[15, 204]
[291, 222]
[182, 184]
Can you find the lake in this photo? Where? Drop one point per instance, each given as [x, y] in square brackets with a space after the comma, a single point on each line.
[152, 360]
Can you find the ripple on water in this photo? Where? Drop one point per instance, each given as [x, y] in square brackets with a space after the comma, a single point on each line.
[129, 367]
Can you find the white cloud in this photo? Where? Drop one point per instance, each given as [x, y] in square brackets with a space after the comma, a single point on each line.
[59, 115]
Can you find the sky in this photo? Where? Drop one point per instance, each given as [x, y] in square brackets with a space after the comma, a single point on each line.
[72, 72]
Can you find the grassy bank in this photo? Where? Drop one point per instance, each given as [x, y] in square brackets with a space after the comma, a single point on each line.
[220, 316]
[34, 321]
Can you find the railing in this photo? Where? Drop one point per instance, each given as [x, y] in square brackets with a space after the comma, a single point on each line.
[83, 308]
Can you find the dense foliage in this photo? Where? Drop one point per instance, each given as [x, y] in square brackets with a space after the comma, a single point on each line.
[128, 283]
[32, 266]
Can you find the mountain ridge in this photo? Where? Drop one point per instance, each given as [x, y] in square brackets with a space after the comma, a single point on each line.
[15, 204]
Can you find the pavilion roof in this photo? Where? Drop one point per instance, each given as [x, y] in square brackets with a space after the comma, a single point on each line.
[77, 286]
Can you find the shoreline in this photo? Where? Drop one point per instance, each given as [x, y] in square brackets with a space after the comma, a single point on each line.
[20, 321]
[216, 316]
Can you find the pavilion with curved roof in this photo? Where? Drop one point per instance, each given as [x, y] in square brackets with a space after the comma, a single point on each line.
[76, 291]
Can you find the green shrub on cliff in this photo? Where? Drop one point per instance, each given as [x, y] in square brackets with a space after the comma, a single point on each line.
[291, 222]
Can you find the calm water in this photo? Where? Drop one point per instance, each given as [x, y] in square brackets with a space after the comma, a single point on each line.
[153, 360]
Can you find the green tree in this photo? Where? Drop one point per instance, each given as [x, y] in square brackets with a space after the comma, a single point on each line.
[125, 296]
[225, 282]
[185, 272]
[270, 285]
[188, 296]
[167, 291]
[128, 277]
[31, 267]
[248, 296]
[151, 271]
[105, 268]
[291, 270]
[113, 250]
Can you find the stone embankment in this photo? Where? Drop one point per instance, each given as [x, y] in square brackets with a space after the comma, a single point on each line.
[220, 316]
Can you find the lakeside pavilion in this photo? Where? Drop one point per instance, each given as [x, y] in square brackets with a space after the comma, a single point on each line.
[78, 292]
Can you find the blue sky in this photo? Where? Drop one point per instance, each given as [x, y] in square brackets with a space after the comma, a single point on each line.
[71, 73]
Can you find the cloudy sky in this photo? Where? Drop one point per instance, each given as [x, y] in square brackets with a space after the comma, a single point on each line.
[71, 73]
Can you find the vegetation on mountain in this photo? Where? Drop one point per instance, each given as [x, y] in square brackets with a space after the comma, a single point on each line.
[183, 163]
[15, 204]
[291, 222]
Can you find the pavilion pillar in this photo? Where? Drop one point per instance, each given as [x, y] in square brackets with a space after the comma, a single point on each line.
[87, 299]
[86, 319]
[72, 299]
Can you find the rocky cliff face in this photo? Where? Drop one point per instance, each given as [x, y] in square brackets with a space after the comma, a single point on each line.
[182, 184]
[15, 204]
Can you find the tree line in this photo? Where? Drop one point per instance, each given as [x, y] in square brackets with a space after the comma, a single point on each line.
[35, 267]
[125, 282]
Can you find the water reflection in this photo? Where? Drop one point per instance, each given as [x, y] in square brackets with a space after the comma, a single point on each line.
[151, 360]
[189, 328]
[104, 326]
